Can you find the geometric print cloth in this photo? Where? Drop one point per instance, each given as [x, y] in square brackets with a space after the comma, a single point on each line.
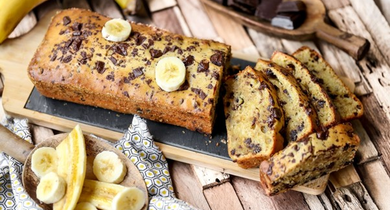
[137, 144]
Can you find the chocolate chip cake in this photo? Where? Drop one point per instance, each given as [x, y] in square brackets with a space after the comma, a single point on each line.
[326, 112]
[311, 158]
[75, 63]
[346, 103]
[301, 118]
[253, 118]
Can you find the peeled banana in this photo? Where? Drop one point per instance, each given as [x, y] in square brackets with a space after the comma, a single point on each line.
[131, 198]
[116, 30]
[85, 206]
[72, 165]
[43, 161]
[12, 12]
[170, 73]
[108, 167]
[108, 196]
[51, 188]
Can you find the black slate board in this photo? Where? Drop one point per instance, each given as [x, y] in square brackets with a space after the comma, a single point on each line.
[214, 145]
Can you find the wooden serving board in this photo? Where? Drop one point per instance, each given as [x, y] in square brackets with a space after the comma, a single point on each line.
[14, 58]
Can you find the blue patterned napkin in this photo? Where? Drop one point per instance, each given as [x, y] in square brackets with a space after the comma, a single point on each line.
[137, 144]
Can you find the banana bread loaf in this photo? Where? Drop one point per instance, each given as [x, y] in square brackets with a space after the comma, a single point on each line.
[311, 158]
[75, 63]
[326, 112]
[346, 103]
[301, 118]
[253, 118]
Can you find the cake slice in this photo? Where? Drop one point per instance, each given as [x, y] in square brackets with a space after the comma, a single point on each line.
[76, 63]
[326, 111]
[253, 118]
[301, 118]
[311, 158]
[346, 103]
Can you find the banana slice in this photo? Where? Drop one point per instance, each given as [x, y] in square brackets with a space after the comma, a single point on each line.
[51, 188]
[43, 161]
[108, 167]
[116, 30]
[85, 206]
[170, 73]
[130, 198]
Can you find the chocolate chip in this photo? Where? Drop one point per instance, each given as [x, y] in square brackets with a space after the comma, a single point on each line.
[100, 67]
[111, 76]
[125, 93]
[138, 72]
[293, 135]
[121, 49]
[155, 53]
[77, 26]
[203, 66]
[210, 86]
[321, 103]
[291, 66]
[76, 44]
[189, 60]
[269, 170]
[66, 20]
[140, 40]
[113, 60]
[184, 86]
[323, 135]
[248, 141]
[67, 59]
[217, 58]
[233, 152]
[199, 92]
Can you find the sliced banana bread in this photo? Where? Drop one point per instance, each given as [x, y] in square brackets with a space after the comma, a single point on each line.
[326, 111]
[311, 158]
[253, 118]
[346, 103]
[301, 118]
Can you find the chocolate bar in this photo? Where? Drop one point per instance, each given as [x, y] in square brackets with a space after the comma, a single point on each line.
[288, 20]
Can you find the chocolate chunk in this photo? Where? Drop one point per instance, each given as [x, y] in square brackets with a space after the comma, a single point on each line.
[203, 66]
[111, 76]
[269, 170]
[248, 142]
[125, 93]
[288, 20]
[189, 60]
[66, 20]
[77, 26]
[155, 53]
[215, 75]
[291, 66]
[217, 58]
[263, 86]
[323, 135]
[134, 52]
[100, 67]
[67, 59]
[138, 72]
[233, 152]
[184, 86]
[270, 74]
[76, 44]
[210, 86]
[267, 9]
[113, 60]
[291, 6]
[293, 135]
[199, 92]
[242, 7]
[121, 48]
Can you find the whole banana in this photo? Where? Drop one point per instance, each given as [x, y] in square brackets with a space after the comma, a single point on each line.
[12, 12]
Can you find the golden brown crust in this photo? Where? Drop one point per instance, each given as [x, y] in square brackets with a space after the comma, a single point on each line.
[253, 118]
[75, 63]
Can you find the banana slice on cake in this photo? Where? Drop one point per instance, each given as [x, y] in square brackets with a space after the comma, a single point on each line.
[170, 73]
[51, 188]
[108, 167]
[116, 30]
[130, 198]
[43, 161]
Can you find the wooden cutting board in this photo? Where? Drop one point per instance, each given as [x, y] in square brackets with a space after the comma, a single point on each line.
[15, 55]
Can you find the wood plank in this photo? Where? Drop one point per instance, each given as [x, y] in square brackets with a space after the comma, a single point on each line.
[107, 8]
[291, 46]
[344, 177]
[201, 28]
[252, 196]
[384, 6]
[367, 151]
[377, 181]
[186, 185]
[183, 24]
[167, 19]
[222, 197]
[380, 30]
[266, 45]
[157, 5]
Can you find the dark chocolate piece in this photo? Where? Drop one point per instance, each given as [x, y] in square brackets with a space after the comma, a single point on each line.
[267, 9]
[291, 6]
[288, 20]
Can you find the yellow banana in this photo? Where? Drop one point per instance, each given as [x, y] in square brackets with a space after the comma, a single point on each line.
[12, 12]
[72, 166]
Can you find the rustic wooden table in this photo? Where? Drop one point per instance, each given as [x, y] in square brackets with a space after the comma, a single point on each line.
[365, 184]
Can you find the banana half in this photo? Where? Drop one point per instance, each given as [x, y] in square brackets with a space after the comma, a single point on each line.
[116, 30]
[170, 73]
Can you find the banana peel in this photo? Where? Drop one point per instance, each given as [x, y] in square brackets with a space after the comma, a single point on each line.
[72, 166]
[12, 12]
